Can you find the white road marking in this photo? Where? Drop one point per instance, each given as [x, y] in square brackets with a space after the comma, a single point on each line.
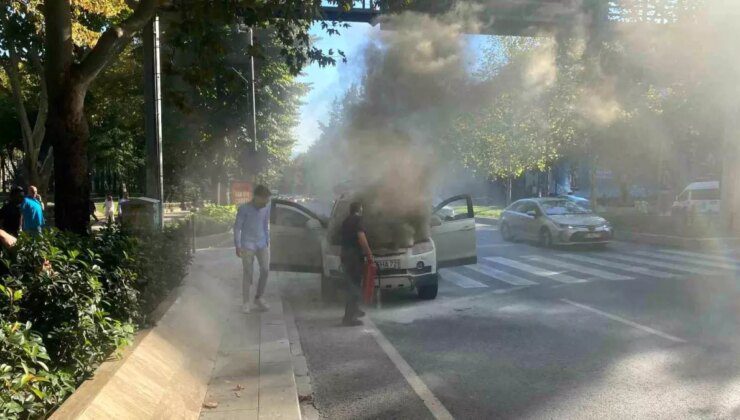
[501, 275]
[625, 321]
[459, 279]
[695, 261]
[715, 257]
[537, 271]
[582, 269]
[433, 404]
[670, 266]
[618, 266]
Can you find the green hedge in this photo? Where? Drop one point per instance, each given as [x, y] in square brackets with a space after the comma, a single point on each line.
[67, 302]
[214, 219]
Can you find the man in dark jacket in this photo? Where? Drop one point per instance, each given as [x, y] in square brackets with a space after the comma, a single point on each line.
[10, 213]
[354, 247]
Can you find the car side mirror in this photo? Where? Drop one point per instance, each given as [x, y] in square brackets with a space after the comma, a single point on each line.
[435, 220]
[313, 224]
[532, 213]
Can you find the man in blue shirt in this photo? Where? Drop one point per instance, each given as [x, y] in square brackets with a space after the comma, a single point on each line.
[252, 239]
[32, 215]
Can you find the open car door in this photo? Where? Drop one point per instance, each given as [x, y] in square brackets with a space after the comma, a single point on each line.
[295, 238]
[453, 232]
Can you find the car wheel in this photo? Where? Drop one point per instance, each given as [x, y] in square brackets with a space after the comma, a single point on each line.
[545, 238]
[328, 289]
[428, 292]
[506, 232]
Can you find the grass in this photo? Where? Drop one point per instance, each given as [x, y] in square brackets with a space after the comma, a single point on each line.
[482, 211]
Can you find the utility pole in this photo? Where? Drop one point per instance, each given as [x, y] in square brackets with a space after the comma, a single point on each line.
[153, 120]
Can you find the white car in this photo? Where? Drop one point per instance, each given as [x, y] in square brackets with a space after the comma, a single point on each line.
[698, 197]
[300, 243]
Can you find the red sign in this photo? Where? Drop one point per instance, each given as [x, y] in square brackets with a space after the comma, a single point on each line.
[241, 192]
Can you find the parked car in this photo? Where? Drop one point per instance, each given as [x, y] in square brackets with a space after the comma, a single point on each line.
[554, 221]
[302, 241]
[698, 198]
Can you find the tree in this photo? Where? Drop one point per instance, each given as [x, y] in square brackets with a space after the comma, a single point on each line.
[82, 37]
[21, 63]
[209, 121]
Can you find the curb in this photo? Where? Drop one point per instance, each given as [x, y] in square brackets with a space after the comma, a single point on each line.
[300, 367]
[487, 220]
[677, 241]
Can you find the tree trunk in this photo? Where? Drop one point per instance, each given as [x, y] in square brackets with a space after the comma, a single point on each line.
[509, 187]
[592, 184]
[68, 132]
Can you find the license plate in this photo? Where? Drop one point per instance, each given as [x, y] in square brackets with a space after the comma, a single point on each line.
[389, 264]
[593, 235]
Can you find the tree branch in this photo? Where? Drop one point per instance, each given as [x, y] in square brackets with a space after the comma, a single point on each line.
[39, 127]
[114, 39]
[11, 68]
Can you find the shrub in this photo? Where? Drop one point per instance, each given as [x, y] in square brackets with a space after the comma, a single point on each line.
[27, 388]
[67, 302]
[214, 219]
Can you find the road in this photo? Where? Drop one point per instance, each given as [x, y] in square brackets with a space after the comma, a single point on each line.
[627, 332]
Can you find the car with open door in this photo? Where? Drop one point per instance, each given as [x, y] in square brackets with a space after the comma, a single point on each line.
[304, 242]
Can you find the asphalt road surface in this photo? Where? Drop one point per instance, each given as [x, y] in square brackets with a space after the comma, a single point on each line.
[530, 333]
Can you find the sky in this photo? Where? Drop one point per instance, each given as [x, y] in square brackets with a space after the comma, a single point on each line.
[330, 82]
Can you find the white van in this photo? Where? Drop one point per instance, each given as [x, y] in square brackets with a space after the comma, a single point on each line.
[698, 198]
[300, 242]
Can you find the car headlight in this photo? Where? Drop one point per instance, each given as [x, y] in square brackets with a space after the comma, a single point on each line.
[422, 248]
[564, 226]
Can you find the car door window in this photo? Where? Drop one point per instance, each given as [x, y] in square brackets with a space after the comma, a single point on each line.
[525, 207]
[286, 216]
[456, 208]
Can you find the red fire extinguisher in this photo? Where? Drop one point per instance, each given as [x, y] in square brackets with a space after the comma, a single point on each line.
[369, 274]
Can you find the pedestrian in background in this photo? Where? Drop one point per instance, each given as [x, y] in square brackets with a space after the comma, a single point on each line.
[10, 213]
[91, 209]
[108, 208]
[354, 247]
[33, 192]
[123, 199]
[32, 215]
[252, 240]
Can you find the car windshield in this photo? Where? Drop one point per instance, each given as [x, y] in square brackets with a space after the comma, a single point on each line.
[559, 207]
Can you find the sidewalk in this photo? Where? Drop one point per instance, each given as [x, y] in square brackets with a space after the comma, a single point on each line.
[253, 373]
[203, 359]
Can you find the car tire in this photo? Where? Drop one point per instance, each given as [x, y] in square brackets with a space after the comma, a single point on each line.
[506, 232]
[428, 292]
[328, 289]
[545, 238]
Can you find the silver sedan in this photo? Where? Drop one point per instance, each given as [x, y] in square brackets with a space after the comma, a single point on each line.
[554, 221]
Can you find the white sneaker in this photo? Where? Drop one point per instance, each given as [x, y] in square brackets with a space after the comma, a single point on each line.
[246, 309]
[260, 305]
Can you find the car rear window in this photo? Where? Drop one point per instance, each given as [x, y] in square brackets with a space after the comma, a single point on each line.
[709, 194]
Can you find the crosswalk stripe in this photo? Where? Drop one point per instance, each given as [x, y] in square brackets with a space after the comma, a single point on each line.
[618, 266]
[695, 261]
[460, 280]
[501, 275]
[606, 275]
[714, 257]
[537, 271]
[670, 266]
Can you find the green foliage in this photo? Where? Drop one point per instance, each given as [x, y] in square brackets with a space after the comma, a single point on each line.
[67, 302]
[214, 219]
[27, 388]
